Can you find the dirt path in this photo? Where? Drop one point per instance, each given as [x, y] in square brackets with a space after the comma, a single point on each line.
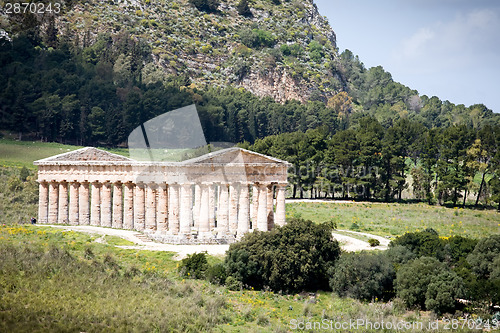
[142, 243]
[340, 201]
[352, 244]
[348, 244]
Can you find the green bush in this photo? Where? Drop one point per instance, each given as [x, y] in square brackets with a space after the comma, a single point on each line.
[316, 51]
[424, 243]
[285, 50]
[363, 276]
[399, 254]
[292, 258]
[296, 49]
[205, 5]
[243, 8]
[217, 273]
[429, 284]
[443, 291]
[482, 257]
[373, 242]
[257, 38]
[194, 266]
[457, 248]
[233, 284]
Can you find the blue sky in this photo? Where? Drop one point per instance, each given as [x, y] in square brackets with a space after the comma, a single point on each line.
[444, 48]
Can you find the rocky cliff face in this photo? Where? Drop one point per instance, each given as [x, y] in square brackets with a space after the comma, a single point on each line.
[286, 51]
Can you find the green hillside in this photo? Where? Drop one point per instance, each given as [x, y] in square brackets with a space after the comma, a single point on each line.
[94, 71]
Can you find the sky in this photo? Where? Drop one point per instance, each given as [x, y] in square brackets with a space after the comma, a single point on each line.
[444, 48]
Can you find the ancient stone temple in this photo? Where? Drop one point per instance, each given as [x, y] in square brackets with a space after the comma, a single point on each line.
[217, 197]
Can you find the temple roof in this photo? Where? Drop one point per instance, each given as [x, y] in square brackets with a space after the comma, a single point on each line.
[84, 155]
[234, 155]
[93, 155]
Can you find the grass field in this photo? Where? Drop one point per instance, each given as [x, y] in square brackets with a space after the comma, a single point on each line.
[24, 153]
[53, 280]
[393, 219]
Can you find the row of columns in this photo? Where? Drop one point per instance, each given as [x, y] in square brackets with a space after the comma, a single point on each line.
[179, 209]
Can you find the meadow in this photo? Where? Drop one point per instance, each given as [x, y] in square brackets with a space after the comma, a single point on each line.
[53, 280]
[394, 219]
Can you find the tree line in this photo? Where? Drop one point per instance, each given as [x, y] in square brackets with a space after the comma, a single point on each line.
[369, 162]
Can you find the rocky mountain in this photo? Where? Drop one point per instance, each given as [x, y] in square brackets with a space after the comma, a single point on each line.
[285, 50]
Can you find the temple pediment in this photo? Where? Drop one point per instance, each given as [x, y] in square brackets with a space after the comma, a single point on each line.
[85, 155]
[235, 155]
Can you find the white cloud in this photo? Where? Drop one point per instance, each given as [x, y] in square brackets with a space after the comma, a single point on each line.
[415, 45]
[460, 42]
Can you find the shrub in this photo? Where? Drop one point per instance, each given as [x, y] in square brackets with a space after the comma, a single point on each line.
[194, 266]
[217, 273]
[443, 291]
[424, 243]
[257, 38]
[316, 51]
[363, 276]
[399, 255]
[373, 242]
[413, 279]
[233, 284]
[24, 173]
[291, 258]
[285, 50]
[205, 5]
[457, 248]
[243, 8]
[482, 257]
[296, 49]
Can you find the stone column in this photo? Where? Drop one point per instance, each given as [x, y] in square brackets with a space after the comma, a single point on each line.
[270, 207]
[139, 206]
[150, 208]
[128, 206]
[53, 201]
[255, 205]
[43, 203]
[186, 211]
[73, 203]
[243, 211]
[173, 209]
[279, 217]
[62, 217]
[233, 207]
[162, 210]
[204, 224]
[196, 207]
[223, 214]
[262, 209]
[95, 204]
[83, 204]
[117, 206]
[211, 206]
[106, 205]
